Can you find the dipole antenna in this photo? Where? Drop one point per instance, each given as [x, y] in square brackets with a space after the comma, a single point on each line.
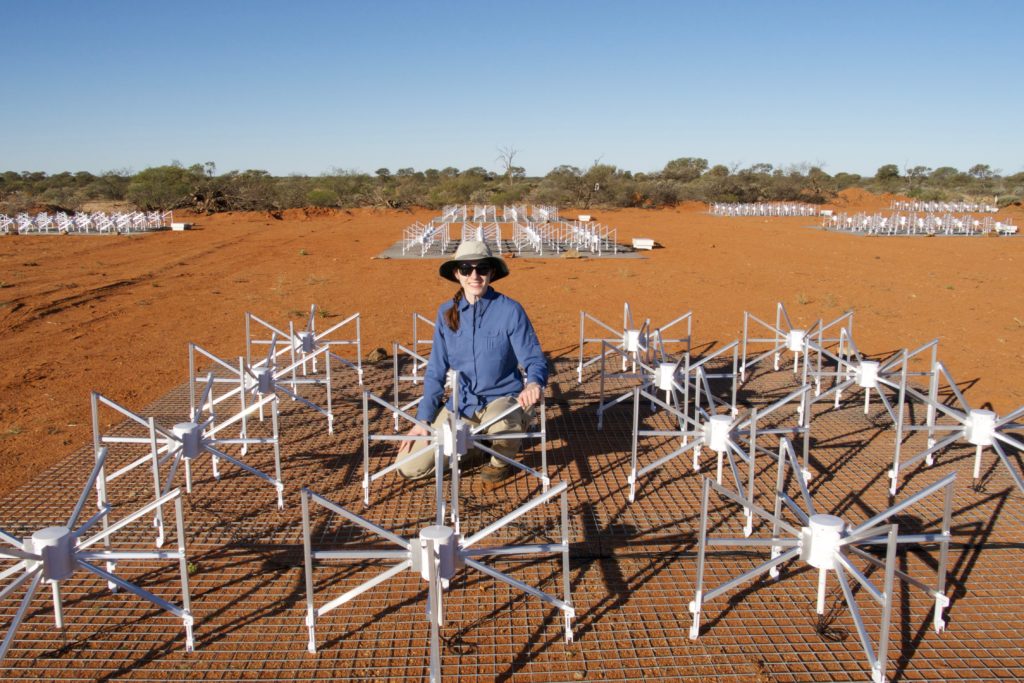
[55, 554]
[437, 554]
[827, 543]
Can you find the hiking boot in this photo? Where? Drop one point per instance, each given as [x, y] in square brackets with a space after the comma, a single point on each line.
[493, 474]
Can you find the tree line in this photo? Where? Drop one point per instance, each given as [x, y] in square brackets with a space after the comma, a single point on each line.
[202, 188]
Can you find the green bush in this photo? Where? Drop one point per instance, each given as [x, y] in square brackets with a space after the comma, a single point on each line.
[322, 197]
[162, 187]
[683, 179]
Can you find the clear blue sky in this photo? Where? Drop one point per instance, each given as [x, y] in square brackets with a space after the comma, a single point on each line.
[306, 87]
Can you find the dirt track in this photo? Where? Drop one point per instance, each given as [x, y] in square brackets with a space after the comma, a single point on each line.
[114, 314]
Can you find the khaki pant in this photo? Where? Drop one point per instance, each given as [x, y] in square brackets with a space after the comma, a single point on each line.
[516, 421]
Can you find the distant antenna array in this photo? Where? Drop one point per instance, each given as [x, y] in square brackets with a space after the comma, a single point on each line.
[589, 236]
[536, 229]
[536, 237]
[54, 554]
[86, 223]
[485, 213]
[517, 213]
[454, 213]
[544, 213]
[826, 543]
[555, 238]
[488, 213]
[420, 238]
[943, 207]
[764, 209]
[482, 232]
[916, 224]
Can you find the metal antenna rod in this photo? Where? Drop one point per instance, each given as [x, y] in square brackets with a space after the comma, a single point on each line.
[436, 554]
[55, 554]
[827, 543]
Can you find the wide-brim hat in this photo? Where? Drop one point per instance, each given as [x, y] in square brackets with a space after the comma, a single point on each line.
[473, 251]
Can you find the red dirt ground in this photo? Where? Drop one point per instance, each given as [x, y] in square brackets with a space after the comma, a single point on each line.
[114, 314]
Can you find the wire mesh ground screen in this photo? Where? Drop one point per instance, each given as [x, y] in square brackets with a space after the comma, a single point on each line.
[632, 565]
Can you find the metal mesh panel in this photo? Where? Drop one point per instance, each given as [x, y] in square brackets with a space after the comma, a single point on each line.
[632, 570]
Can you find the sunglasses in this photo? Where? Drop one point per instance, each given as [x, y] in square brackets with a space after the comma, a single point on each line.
[483, 269]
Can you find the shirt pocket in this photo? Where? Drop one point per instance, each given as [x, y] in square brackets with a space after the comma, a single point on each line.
[495, 340]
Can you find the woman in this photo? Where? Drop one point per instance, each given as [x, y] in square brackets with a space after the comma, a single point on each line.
[486, 337]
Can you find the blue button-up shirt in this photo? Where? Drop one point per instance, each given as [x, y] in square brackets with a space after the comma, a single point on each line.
[494, 339]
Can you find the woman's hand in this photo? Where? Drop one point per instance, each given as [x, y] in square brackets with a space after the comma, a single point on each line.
[529, 395]
[407, 445]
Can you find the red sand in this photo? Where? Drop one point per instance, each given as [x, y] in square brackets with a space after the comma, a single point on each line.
[114, 314]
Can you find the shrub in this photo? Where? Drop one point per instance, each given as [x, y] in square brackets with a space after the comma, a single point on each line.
[162, 187]
[322, 197]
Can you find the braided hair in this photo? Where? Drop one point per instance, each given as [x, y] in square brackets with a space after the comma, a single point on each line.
[451, 316]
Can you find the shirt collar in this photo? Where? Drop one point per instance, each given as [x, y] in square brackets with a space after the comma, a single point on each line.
[488, 296]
